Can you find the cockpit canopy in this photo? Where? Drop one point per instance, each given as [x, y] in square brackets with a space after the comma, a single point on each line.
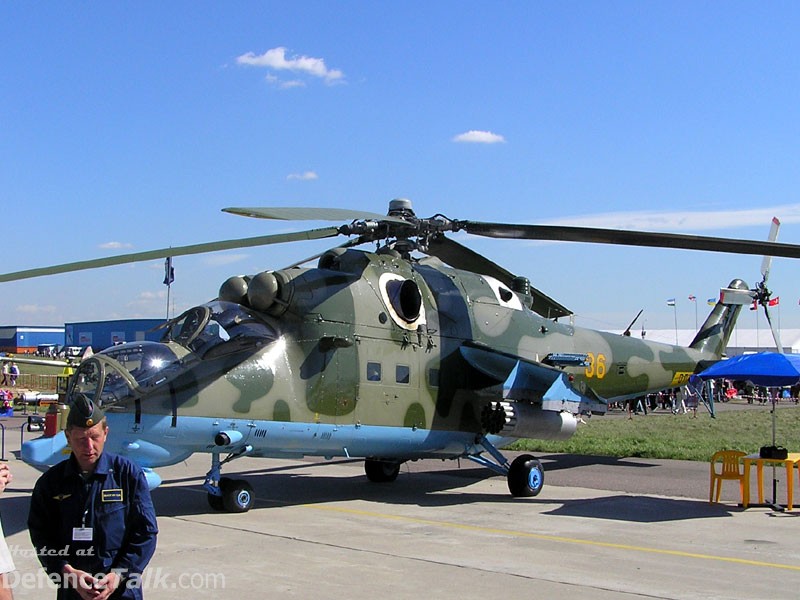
[124, 372]
[130, 370]
[219, 328]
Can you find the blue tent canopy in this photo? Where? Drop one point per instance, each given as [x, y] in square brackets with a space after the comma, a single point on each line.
[770, 369]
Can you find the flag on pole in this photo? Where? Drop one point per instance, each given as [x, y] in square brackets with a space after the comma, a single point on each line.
[754, 305]
[774, 301]
[671, 302]
[711, 301]
[169, 271]
[692, 297]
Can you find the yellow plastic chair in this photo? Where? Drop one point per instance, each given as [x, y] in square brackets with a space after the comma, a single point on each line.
[730, 462]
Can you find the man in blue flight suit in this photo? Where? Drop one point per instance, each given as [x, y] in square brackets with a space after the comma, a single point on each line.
[91, 518]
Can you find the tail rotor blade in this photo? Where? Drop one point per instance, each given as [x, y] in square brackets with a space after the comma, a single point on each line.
[766, 264]
[762, 292]
[775, 333]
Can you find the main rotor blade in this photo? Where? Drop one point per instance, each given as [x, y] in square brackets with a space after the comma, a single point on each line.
[567, 233]
[290, 213]
[264, 240]
[461, 257]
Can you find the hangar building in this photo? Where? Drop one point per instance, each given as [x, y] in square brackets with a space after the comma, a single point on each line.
[102, 334]
[18, 339]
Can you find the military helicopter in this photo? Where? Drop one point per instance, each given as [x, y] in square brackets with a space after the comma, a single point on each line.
[421, 348]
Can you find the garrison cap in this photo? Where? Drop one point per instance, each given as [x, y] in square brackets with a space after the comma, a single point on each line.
[83, 412]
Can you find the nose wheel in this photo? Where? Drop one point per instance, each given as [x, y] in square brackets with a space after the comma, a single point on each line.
[236, 496]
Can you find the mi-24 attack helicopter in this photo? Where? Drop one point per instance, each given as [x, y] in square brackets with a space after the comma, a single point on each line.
[419, 349]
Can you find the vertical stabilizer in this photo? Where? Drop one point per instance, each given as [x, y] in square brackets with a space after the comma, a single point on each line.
[716, 331]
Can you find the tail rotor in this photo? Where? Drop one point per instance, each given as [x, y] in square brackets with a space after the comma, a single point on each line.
[762, 295]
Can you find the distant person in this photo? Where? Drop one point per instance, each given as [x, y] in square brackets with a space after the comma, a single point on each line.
[97, 506]
[14, 373]
[682, 397]
[693, 391]
[6, 373]
[630, 403]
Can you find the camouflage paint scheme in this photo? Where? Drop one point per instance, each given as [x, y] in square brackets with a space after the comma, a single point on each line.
[368, 355]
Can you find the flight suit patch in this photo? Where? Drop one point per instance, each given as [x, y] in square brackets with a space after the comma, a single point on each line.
[111, 495]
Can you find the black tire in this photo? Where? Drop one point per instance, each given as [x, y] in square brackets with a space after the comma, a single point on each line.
[381, 471]
[215, 502]
[237, 496]
[525, 476]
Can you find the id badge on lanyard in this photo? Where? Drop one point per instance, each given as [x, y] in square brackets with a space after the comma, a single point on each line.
[83, 533]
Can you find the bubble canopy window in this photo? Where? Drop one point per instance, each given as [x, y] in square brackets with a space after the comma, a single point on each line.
[122, 372]
[221, 327]
[129, 370]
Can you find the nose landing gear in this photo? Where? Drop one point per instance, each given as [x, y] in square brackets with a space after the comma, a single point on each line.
[225, 493]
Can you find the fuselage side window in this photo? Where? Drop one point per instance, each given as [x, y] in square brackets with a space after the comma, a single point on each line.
[402, 374]
[373, 371]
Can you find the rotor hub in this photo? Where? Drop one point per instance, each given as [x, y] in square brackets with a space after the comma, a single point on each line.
[401, 207]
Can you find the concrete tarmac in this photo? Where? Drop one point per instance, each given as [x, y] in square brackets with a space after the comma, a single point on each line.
[609, 528]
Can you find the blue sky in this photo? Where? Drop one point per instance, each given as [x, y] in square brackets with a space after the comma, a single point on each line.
[128, 126]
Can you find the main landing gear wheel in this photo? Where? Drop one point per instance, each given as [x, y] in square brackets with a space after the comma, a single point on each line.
[525, 476]
[381, 471]
[237, 496]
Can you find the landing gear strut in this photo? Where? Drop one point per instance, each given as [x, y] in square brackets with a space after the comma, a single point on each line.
[525, 475]
[225, 493]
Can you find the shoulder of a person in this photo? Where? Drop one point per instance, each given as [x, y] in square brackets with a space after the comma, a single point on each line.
[123, 464]
[55, 473]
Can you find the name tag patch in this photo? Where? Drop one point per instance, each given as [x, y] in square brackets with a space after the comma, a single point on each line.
[111, 495]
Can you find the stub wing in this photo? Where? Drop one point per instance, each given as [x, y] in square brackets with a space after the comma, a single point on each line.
[537, 383]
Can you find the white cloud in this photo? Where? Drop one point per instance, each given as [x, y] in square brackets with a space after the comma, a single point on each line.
[285, 85]
[148, 301]
[36, 309]
[304, 176]
[479, 137]
[686, 220]
[222, 259]
[277, 60]
[151, 295]
[115, 245]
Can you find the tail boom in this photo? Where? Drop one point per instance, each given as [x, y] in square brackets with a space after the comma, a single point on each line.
[713, 337]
